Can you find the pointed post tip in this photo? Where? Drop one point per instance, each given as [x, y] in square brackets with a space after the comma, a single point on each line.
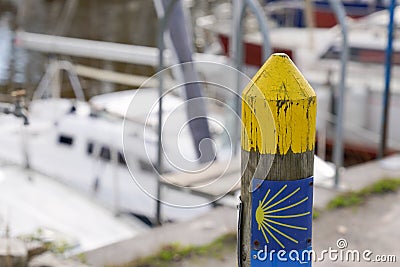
[280, 79]
[282, 58]
[281, 99]
[280, 55]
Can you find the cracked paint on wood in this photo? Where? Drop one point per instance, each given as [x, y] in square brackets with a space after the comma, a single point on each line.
[278, 109]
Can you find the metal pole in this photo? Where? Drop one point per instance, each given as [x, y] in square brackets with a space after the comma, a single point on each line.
[238, 58]
[162, 22]
[256, 8]
[340, 93]
[388, 72]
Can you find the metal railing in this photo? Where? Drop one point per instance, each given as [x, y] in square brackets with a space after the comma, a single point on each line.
[237, 51]
[163, 20]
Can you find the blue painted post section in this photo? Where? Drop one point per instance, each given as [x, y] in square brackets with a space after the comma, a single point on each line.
[281, 222]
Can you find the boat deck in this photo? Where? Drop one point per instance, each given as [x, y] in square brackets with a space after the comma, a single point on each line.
[39, 202]
[215, 181]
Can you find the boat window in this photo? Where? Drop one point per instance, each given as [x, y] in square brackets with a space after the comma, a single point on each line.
[121, 158]
[89, 148]
[65, 140]
[364, 55]
[332, 53]
[146, 166]
[105, 153]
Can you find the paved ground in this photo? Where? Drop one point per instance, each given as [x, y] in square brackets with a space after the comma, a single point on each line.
[373, 226]
[202, 230]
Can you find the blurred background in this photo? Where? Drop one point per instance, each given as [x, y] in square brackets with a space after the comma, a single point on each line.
[89, 177]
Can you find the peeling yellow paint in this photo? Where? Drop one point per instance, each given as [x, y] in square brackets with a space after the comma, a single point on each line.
[278, 109]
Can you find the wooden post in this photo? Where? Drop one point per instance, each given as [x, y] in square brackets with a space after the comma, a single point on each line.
[278, 136]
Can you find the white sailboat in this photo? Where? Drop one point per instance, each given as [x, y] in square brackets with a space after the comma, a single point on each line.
[83, 147]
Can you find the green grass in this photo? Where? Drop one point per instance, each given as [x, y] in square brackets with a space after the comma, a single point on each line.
[57, 247]
[316, 214]
[176, 252]
[356, 198]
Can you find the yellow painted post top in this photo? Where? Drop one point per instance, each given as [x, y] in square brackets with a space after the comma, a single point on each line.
[278, 109]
